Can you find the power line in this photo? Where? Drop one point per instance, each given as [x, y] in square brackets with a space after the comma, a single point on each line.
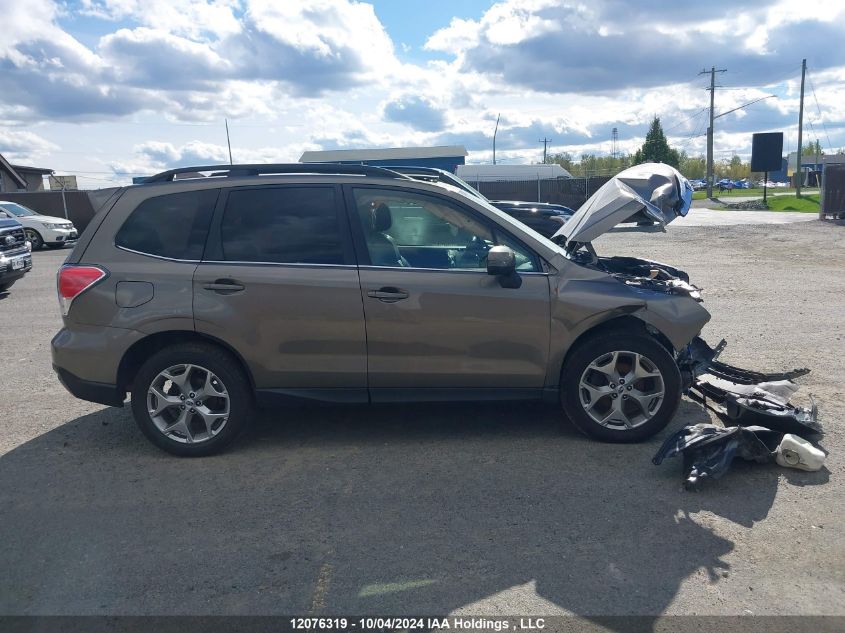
[699, 112]
[819, 110]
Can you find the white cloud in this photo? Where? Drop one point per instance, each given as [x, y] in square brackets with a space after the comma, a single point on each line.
[24, 147]
[191, 18]
[294, 75]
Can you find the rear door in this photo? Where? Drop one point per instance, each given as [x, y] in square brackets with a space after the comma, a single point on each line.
[279, 284]
[437, 323]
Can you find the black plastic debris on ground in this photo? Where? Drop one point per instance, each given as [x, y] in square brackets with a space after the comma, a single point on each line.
[745, 397]
[708, 450]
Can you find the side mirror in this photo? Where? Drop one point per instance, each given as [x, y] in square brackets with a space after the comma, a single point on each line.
[3, 214]
[501, 261]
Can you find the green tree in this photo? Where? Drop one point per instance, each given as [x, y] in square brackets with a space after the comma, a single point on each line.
[693, 167]
[656, 148]
[733, 168]
[564, 159]
[592, 164]
[813, 149]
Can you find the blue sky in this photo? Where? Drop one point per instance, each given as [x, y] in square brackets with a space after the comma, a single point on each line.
[107, 89]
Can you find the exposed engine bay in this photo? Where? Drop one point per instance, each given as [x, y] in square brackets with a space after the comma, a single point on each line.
[639, 273]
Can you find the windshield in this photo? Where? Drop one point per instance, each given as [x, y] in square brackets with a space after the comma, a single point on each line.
[461, 183]
[520, 226]
[17, 209]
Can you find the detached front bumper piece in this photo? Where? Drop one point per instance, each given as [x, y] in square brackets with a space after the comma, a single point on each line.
[742, 396]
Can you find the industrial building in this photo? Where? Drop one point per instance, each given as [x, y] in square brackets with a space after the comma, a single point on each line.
[446, 157]
[492, 173]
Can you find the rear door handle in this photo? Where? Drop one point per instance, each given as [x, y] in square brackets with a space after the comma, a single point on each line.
[224, 286]
[388, 294]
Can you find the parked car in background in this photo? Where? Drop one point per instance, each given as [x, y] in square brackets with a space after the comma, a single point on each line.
[40, 229]
[544, 217]
[15, 258]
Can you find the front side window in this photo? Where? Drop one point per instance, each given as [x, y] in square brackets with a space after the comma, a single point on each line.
[173, 226]
[294, 225]
[417, 231]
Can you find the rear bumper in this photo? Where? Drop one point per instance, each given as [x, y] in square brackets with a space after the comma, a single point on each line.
[87, 359]
[99, 392]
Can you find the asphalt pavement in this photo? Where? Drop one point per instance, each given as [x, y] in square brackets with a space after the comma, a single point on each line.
[471, 508]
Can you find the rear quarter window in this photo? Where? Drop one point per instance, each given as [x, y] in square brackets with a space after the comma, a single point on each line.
[173, 225]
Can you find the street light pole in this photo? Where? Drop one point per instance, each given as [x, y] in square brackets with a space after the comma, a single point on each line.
[495, 131]
[798, 173]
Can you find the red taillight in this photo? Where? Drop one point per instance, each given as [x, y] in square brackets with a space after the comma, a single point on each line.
[74, 280]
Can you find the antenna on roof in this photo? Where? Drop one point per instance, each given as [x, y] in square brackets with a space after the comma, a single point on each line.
[226, 121]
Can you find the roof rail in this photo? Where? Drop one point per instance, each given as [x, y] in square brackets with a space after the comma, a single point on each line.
[280, 168]
[435, 174]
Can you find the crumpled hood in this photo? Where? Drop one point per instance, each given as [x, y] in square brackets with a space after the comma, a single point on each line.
[659, 191]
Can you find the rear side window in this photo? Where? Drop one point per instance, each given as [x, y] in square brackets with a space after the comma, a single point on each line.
[288, 225]
[173, 225]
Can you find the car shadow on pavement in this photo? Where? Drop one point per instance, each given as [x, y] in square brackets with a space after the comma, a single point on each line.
[394, 509]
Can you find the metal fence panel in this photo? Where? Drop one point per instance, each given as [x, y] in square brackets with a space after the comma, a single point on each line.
[571, 192]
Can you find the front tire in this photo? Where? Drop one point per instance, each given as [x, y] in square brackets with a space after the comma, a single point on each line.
[191, 399]
[5, 287]
[620, 387]
[55, 245]
[34, 238]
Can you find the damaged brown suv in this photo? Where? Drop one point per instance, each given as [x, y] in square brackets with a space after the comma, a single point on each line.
[208, 291]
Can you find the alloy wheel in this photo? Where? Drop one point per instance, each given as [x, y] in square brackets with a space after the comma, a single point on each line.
[621, 390]
[188, 403]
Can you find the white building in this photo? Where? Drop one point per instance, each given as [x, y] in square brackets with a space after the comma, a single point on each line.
[489, 173]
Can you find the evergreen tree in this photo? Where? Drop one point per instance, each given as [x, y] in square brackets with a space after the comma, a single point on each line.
[656, 148]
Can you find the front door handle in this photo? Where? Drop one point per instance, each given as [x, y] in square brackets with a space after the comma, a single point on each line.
[224, 286]
[388, 294]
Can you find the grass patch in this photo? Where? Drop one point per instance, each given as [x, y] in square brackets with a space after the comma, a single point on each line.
[736, 193]
[702, 195]
[805, 204]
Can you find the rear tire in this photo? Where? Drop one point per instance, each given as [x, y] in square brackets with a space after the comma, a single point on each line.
[205, 406]
[54, 246]
[626, 397]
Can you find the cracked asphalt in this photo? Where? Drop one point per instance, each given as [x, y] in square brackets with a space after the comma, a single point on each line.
[474, 508]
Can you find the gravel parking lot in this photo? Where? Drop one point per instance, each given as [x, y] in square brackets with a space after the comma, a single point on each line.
[483, 509]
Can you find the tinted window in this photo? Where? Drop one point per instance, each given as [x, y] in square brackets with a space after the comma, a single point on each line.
[175, 225]
[282, 224]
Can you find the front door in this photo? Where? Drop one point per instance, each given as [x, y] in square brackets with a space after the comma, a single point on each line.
[437, 323]
[279, 284]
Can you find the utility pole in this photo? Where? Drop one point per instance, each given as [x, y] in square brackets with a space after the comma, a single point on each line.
[798, 173]
[495, 131]
[545, 142]
[226, 121]
[712, 90]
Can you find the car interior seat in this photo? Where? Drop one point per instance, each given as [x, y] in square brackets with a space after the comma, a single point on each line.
[383, 250]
